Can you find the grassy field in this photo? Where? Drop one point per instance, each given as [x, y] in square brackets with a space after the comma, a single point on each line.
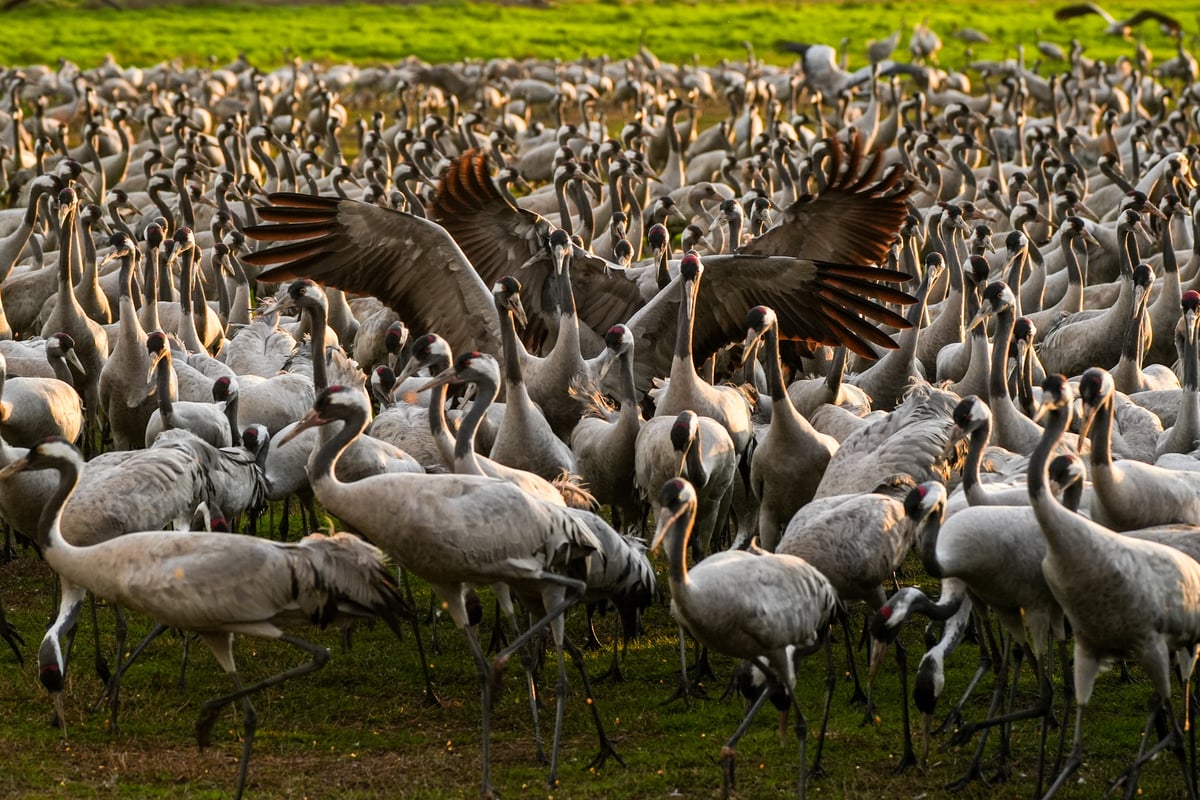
[357, 729]
[43, 30]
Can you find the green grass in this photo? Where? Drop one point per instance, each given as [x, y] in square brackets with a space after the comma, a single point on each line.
[43, 30]
[357, 729]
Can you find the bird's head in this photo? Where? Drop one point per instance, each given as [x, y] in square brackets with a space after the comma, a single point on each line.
[1057, 396]
[997, 297]
[507, 294]
[758, 320]
[333, 403]
[676, 502]
[50, 453]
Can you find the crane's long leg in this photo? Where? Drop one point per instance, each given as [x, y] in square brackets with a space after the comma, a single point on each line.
[112, 689]
[53, 657]
[431, 698]
[909, 757]
[12, 636]
[491, 673]
[975, 769]
[859, 697]
[954, 718]
[614, 673]
[560, 704]
[606, 749]
[1087, 666]
[685, 690]
[729, 751]
[211, 708]
[830, 681]
[484, 671]
[101, 664]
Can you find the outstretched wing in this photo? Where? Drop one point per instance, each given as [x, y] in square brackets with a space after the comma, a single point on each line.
[815, 302]
[411, 264]
[503, 239]
[851, 220]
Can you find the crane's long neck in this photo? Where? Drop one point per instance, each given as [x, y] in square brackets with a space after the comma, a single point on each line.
[683, 327]
[65, 243]
[929, 543]
[486, 392]
[978, 441]
[438, 426]
[187, 318]
[512, 348]
[162, 387]
[837, 371]
[1064, 530]
[131, 329]
[997, 384]
[150, 290]
[677, 546]
[1073, 300]
[49, 524]
[694, 468]
[1102, 434]
[317, 318]
[324, 459]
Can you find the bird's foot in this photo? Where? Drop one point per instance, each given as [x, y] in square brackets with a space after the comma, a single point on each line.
[1003, 773]
[952, 721]
[499, 665]
[14, 639]
[859, 697]
[972, 774]
[431, 700]
[591, 642]
[685, 691]
[961, 736]
[728, 778]
[613, 674]
[816, 771]
[607, 751]
[204, 724]
[870, 715]
[909, 759]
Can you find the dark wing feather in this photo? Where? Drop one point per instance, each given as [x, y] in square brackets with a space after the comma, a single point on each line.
[819, 303]
[1078, 10]
[605, 293]
[851, 221]
[499, 238]
[1169, 25]
[412, 265]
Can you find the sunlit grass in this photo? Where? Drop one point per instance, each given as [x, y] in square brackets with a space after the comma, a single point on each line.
[42, 31]
[357, 729]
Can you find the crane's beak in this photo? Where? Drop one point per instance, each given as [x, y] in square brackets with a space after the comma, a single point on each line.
[74, 361]
[879, 649]
[518, 310]
[752, 339]
[1090, 238]
[157, 357]
[957, 434]
[981, 316]
[560, 255]
[605, 361]
[1140, 297]
[113, 255]
[311, 419]
[410, 368]
[1189, 324]
[14, 468]
[1087, 419]
[446, 376]
[660, 531]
